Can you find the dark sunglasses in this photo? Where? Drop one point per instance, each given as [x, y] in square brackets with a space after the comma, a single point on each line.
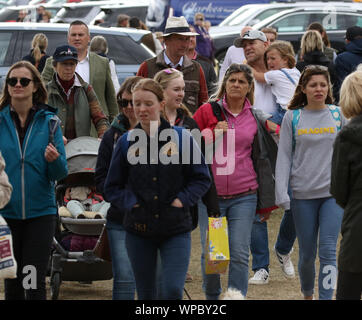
[123, 103]
[24, 82]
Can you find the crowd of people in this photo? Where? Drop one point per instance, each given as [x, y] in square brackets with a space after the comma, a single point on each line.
[288, 124]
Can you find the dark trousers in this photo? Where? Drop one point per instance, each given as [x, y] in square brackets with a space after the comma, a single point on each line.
[32, 241]
[349, 286]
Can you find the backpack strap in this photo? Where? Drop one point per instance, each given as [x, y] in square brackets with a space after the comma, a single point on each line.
[295, 120]
[218, 111]
[288, 76]
[336, 114]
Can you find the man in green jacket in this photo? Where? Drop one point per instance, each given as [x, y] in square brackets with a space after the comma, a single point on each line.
[92, 68]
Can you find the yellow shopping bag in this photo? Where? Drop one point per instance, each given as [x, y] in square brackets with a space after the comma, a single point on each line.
[217, 255]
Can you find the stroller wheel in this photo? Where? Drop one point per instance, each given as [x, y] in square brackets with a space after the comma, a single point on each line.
[55, 281]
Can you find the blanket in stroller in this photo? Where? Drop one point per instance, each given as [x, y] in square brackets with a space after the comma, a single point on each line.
[76, 243]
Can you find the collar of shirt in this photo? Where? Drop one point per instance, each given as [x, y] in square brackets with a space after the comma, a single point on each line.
[83, 68]
[70, 89]
[169, 63]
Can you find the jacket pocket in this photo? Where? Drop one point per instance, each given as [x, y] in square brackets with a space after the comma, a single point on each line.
[136, 220]
[173, 214]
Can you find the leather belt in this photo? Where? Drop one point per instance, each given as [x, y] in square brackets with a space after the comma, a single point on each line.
[238, 195]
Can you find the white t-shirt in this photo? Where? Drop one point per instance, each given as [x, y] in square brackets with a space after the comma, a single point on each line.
[82, 68]
[281, 87]
[233, 55]
[263, 98]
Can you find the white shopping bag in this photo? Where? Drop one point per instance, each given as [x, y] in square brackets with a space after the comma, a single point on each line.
[7, 261]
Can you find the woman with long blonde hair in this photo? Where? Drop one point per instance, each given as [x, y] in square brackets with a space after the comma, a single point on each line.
[37, 55]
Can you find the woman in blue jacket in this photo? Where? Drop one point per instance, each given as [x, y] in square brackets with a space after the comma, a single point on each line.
[33, 165]
[154, 181]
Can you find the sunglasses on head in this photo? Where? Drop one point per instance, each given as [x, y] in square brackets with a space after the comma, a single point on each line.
[123, 103]
[13, 81]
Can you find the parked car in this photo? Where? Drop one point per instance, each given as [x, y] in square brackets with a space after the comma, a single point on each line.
[10, 13]
[292, 23]
[250, 14]
[109, 13]
[85, 11]
[125, 46]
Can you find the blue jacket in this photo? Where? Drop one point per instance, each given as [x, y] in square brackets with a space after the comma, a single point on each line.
[119, 126]
[347, 61]
[32, 177]
[154, 186]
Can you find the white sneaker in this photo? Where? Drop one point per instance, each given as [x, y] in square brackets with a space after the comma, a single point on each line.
[260, 277]
[286, 263]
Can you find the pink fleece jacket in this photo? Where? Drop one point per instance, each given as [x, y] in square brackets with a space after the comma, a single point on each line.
[233, 170]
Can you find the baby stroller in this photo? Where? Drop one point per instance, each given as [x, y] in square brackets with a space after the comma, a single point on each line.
[66, 264]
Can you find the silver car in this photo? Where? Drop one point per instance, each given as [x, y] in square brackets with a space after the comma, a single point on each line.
[124, 44]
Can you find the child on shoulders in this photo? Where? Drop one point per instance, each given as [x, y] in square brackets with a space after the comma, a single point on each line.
[282, 76]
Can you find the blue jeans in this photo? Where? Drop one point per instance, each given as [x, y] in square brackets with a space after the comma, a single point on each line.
[312, 217]
[259, 246]
[124, 286]
[175, 257]
[240, 214]
[278, 115]
[286, 235]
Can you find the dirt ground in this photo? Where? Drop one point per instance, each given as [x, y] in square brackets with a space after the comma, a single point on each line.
[279, 288]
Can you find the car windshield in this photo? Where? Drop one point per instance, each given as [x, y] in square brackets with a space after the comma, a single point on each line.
[238, 17]
[75, 12]
[8, 15]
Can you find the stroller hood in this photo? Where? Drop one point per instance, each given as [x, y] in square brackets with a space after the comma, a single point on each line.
[81, 154]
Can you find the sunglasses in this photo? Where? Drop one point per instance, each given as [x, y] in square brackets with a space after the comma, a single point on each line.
[123, 103]
[24, 82]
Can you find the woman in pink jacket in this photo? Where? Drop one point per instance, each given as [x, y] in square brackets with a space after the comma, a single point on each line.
[241, 143]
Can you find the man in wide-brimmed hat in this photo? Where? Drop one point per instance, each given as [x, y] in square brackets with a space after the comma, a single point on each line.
[176, 38]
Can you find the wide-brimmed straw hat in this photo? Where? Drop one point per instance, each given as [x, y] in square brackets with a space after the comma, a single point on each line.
[178, 25]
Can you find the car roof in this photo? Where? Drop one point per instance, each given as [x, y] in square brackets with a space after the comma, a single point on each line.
[125, 5]
[94, 3]
[259, 7]
[278, 15]
[134, 34]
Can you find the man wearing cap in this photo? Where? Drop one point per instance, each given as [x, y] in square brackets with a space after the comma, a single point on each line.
[233, 55]
[93, 69]
[347, 61]
[255, 43]
[75, 99]
[177, 40]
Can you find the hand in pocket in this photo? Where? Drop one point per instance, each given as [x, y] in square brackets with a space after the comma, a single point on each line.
[177, 203]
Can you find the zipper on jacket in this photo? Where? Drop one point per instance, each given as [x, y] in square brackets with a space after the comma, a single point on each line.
[22, 154]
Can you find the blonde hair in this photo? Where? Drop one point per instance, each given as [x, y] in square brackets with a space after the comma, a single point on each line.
[311, 40]
[270, 30]
[351, 94]
[39, 44]
[164, 77]
[236, 68]
[99, 44]
[285, 50]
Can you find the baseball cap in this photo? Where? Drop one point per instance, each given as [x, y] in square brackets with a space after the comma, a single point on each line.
[250, 35]
[66, 52]
[353, 32]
